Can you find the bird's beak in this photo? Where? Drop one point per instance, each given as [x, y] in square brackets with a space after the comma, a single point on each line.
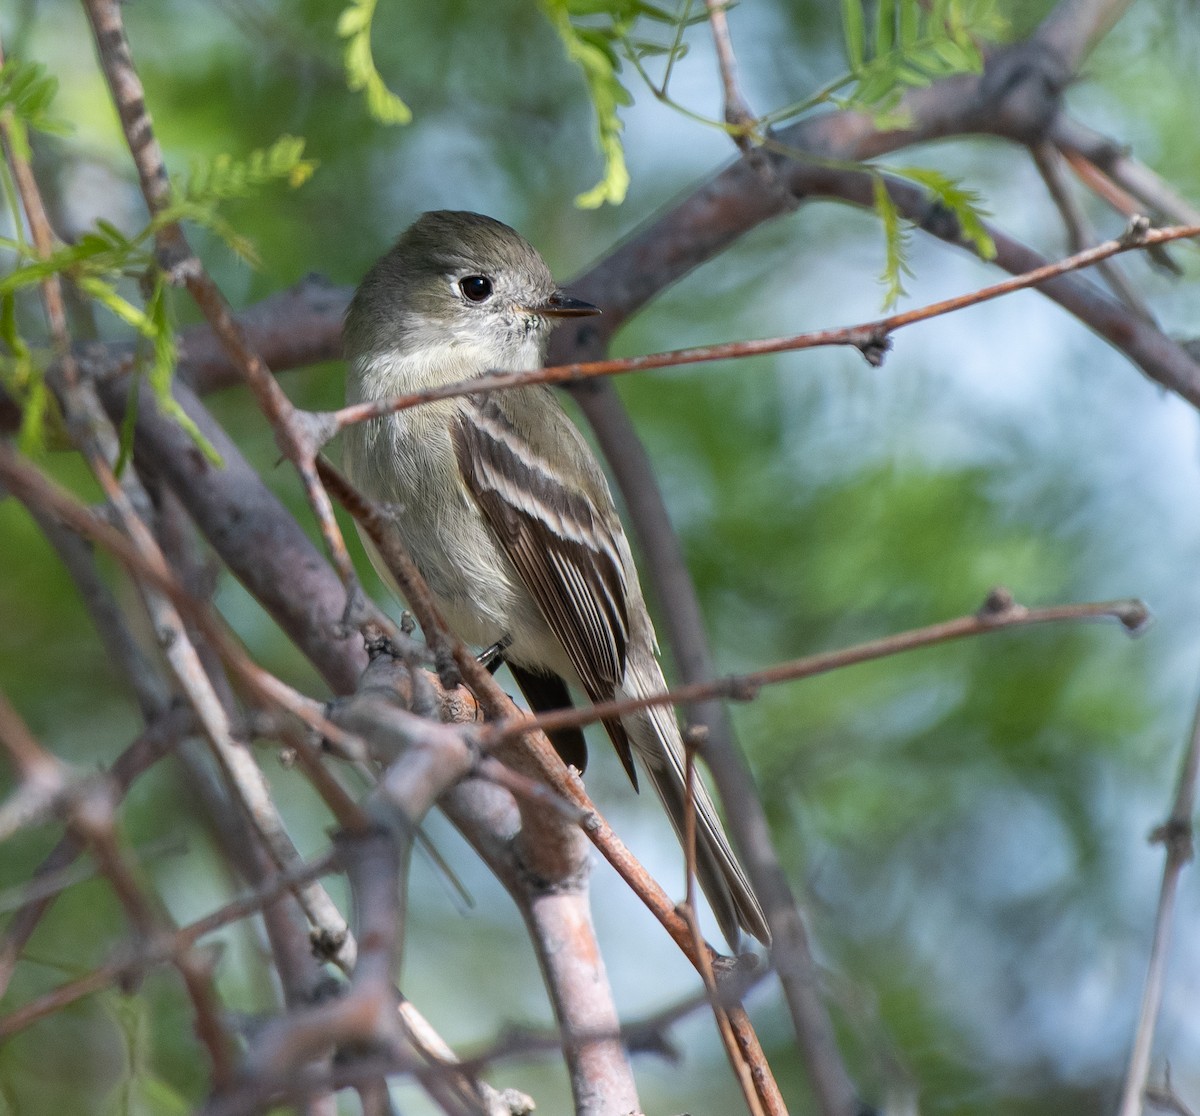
[558, 305]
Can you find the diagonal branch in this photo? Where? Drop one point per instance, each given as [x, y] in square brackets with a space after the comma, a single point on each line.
[1176, 835]
[294, 437]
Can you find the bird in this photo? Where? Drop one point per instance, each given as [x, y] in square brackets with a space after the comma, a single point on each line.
[505, 509]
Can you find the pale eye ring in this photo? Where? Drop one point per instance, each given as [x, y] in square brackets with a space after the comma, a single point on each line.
[475, 288]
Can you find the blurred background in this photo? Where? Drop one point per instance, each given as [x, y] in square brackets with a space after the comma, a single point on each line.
[966, 826]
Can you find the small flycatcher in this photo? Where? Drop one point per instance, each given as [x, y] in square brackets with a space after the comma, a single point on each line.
[505, 509]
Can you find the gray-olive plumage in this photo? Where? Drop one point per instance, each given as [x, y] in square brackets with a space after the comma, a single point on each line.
[503, 506]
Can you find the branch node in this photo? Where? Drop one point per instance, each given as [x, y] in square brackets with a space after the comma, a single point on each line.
[743, 689]
[873, 341]
[1175, 834]
[1135, 616]
[999, 605]
[326, 944]
[1135, 232]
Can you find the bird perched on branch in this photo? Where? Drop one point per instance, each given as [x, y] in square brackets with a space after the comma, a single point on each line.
[505, 509]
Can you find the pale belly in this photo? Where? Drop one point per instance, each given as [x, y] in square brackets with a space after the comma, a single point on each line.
[474, 585]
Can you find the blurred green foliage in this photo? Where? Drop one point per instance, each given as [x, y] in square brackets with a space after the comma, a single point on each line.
[964, 824]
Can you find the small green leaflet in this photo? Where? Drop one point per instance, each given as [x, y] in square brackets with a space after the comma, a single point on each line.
[362, 75]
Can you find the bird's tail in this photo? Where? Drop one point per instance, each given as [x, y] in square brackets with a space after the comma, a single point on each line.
[654, 733]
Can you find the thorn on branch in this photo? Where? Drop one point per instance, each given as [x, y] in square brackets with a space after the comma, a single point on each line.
[326, 947]
[1135, 232]
[999, 605]
[873, 341]
[1175, 834]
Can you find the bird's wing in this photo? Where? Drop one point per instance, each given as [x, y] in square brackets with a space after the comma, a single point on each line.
[565, 552]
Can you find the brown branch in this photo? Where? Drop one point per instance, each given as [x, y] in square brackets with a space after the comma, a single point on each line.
[294, 436]
[871, 338]
[736, 111]
[134, 963]
[1115, 161]
[998, 613]
[1176, 835]
[144, 678]
[1074, 27]
[739, 1064]
[250, 529]
[89, 808]
[1080, 234]
[146, 563]
[151, 745]
[467, 805]
[551, 889]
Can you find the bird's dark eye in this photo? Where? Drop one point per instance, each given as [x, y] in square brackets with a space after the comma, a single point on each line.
[476, 288]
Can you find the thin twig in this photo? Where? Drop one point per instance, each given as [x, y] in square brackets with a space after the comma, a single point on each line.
[146, 562]
[733, 1052]
[293, 433]
[164, 948]
[736, 110]
[998, 613]
[871, 338]
[1080, 233]
[1176, 836]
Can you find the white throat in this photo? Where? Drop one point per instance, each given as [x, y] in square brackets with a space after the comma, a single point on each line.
[397, 372]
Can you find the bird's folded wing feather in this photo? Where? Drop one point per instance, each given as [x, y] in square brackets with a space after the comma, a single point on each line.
[563, 550]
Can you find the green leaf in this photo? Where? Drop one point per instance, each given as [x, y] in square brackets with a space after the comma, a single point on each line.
[358, 60]
[27, 92]
[223, 177]
[914, 43]
[104, 293]
[854, 29]
[896, 236]
[592, 50]
[35, 404]
[162, 369]
[213, 181]
[885, 26]
[962, 201]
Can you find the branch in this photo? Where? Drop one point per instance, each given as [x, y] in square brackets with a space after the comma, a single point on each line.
[872, 339]
[294, 437]
[736, 111]
[1176, 836]
[151, 745]
[998, 613]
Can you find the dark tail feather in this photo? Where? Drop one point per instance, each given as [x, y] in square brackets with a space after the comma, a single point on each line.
[546, 692]
[656, 738]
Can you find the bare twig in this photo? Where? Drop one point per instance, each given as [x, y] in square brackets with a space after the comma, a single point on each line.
[1176, 836]
[1114, 159]
[998, 613]
[1080, 234]
[153, 743]
[733, 1052]
[147, 563]
[164, 948]
[736, 111]
[294, 435]
[871, 338]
